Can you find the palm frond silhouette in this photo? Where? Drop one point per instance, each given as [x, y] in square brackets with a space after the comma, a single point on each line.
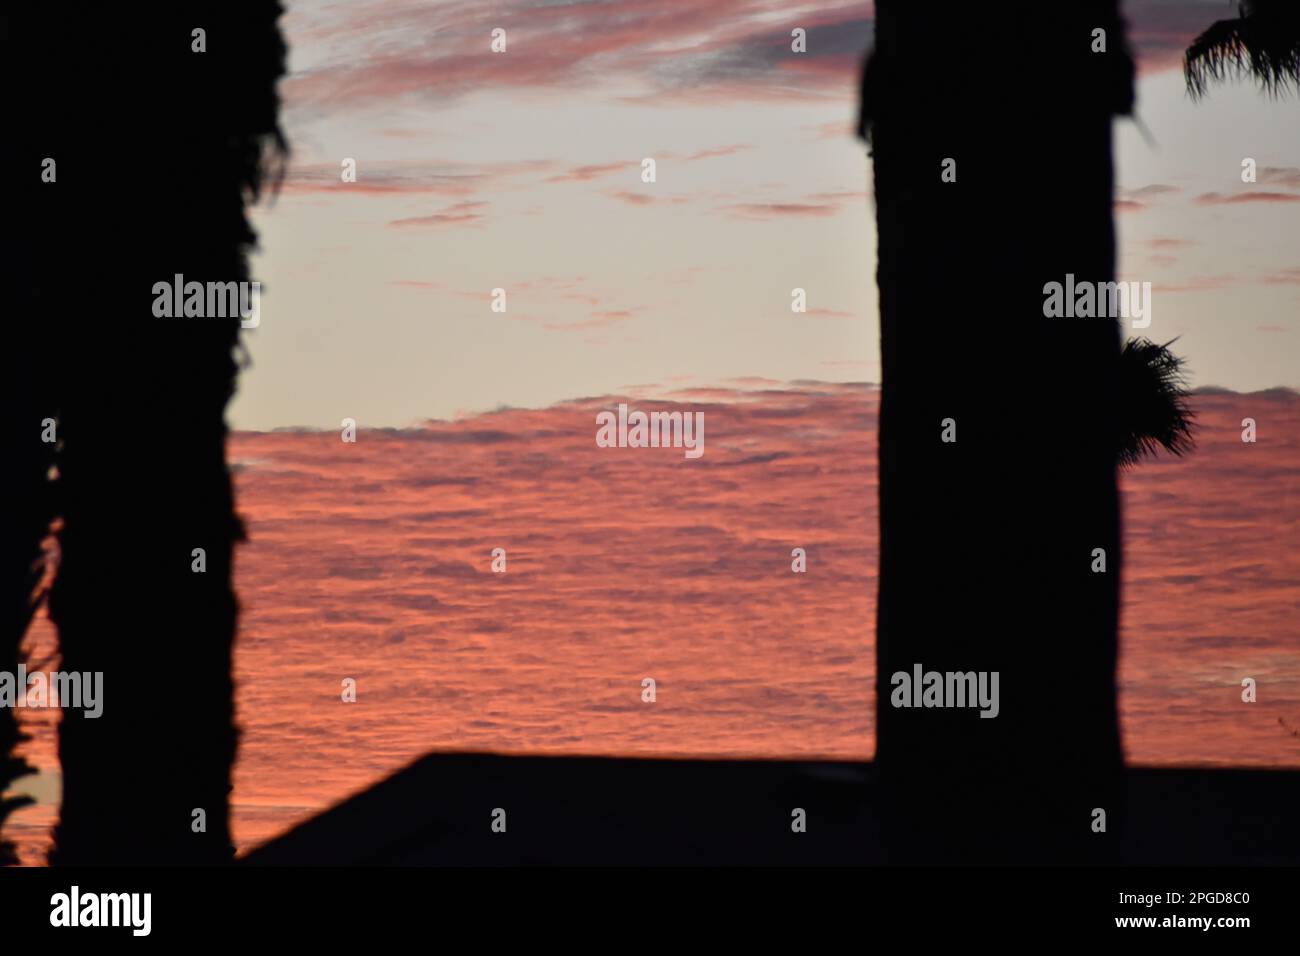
[1263, 42]
[1153, 396]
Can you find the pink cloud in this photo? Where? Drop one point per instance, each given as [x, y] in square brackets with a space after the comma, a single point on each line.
[667, 47]
[773, 210]
[1136, 200]
[387, 178]
[719, 151]
[753, 381]
[732, 50]
[598, 320]
[373, 561]
[834, 130]
[1288, 176]
[440, 287]
[587, 173]
[646, 198]
[457, 214]
[1155, 189]
[1219, 199]
[633, 199]
[1160, 30]
[1198, 284]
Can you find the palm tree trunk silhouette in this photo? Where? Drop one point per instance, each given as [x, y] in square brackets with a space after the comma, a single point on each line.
[160, 139]
[989, 542]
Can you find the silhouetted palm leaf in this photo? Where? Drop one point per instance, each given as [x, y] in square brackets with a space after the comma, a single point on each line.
[1263, 42]
[1153, 397]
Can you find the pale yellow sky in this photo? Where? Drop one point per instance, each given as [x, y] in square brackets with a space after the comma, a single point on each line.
[525, 174]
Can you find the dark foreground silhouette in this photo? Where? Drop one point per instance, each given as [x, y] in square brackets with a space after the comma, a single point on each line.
[998, 424]
[989, 542]
[605, 810]
[156, 149]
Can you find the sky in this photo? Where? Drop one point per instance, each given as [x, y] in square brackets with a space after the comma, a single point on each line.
[521, 170]
[373, 561]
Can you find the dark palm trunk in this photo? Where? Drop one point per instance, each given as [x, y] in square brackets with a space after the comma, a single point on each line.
[158, 148]
[986, 543]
